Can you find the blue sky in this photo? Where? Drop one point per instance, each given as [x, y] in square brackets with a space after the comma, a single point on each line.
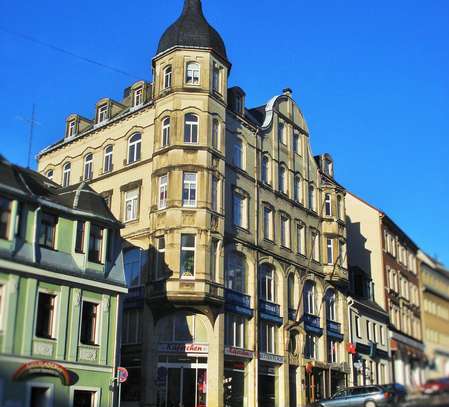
[371, 78]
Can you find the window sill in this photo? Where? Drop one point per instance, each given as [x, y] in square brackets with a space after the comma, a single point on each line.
[94, 345]
[266, 239]
[286, 248]
[241, 228]
[45, 338]
[131, 221]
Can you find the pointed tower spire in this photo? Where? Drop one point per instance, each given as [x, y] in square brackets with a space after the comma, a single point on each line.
[191, 30]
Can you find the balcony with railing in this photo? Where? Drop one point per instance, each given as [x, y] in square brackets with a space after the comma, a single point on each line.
[270, 311]
[334, 330]
[238, 303]
[312, 324]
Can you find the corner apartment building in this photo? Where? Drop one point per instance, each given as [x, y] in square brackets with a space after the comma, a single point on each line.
[396, 268]
[61, 279]
[236, 232]
[435, 300]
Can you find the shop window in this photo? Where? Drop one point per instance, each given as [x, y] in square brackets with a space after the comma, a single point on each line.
[187, 256]
[134, 148]
[108, 159]
[79, 241]
[132, 326]
[5, 217]
[89, 323]
[131, 205]
[84, 398]
[47, 230]
[95, 244]
[45, 321]
[236, 273]
[67, 169]
[234, 331]
[189, 189]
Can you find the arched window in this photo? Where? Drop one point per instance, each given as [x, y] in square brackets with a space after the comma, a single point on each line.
[291, 291]
[108, 159]
[165, 132]
[134, 148]
[190, 128]
[282, 179]
[167, 77]
[215, 133]
[298, 189]
[236, 273]
[67, 169]
[193, 73]
[311, 197]
[267, 283]
[331, 310]
[265, 169]
[88, 167]
[50, 174]
[309, 298]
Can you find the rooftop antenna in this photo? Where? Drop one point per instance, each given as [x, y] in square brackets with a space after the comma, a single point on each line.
[32, 122]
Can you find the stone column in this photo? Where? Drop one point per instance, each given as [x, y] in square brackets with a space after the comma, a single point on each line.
[215, 364]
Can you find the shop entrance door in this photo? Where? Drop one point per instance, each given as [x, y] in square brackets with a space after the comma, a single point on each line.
[182, 386]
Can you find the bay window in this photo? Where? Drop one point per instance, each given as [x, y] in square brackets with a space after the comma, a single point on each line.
[189, 194]
[167, 77]
[187, 269]
[163, 191]
[165, 132]
[193, 73]
[190, 128]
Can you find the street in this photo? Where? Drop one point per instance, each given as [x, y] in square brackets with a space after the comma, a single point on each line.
[424, 401]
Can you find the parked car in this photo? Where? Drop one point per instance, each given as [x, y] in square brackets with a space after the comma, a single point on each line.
[361, 396]
[436, 386]
[398, 390]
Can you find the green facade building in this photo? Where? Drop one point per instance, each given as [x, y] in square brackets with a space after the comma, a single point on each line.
[61, 284]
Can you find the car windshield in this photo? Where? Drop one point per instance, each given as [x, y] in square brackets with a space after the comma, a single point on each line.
[339, 394]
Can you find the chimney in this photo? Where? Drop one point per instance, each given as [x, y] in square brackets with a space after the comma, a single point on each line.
[287, 92]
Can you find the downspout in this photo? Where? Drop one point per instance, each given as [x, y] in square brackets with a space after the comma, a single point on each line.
[351, 356]
[256, 274]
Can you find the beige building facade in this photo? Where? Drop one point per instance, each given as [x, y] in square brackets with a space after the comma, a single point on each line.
[237, 238]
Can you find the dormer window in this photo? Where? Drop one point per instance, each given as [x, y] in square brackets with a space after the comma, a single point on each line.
[167, 77]
[238, 104]
[193, 73]
[138, 97]
[328, 167]
[71, 128]
[103, 113]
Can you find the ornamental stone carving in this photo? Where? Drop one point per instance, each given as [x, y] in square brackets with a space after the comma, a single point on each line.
[42, 348]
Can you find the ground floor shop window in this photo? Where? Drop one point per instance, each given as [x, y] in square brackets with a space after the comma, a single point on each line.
[267, 386]
[182, 382]
[84, 398]
[131, 389]
[292, 383]
[314, 384]
[234, 384]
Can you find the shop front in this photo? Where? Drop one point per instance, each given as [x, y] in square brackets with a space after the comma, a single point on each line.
[268, 393]
[315, 383]
[182, 375]
[235, 392]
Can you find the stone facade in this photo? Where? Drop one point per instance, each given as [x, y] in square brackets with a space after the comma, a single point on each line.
[236, 234]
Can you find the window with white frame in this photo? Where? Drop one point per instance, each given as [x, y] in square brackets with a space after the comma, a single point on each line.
[235, 275]
[191, 128]
[297, 191]
[132, 326]
[192, 73]
[187, 255]
[339, 207]
[268, 229]
[131, 209]
[296, 143]
[332, 351]
[312, 200]
[265, 170]
[189, 187]
[309, 298]
[134, 148]
[267, 337]
[46, 316]
[215, 133]
[240, 210]
[167, 77]
[160, 257]
[267, 283]
[331, 305]
[237, 156]
[89, 323]
[66, 170]
[214, 193]
[71, 128]
[234, 331]
[282, 179]
[315, 243]
[165, 139]
[311, 347]
[102, 113]
[330, 251]
[138, 97]
[301, 239]
[282, 133]
[358, 328]
[88, 167]
[285, 231]
[327, 204]
[216, 78]
[108, 166]
[163, 191]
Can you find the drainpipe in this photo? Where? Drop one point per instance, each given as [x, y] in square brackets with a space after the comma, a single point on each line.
[351, 357]
[256, 274]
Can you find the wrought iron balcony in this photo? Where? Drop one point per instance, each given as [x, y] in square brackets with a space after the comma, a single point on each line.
[312, 324]
[238, 302]
[270, 311]
[334, 330]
